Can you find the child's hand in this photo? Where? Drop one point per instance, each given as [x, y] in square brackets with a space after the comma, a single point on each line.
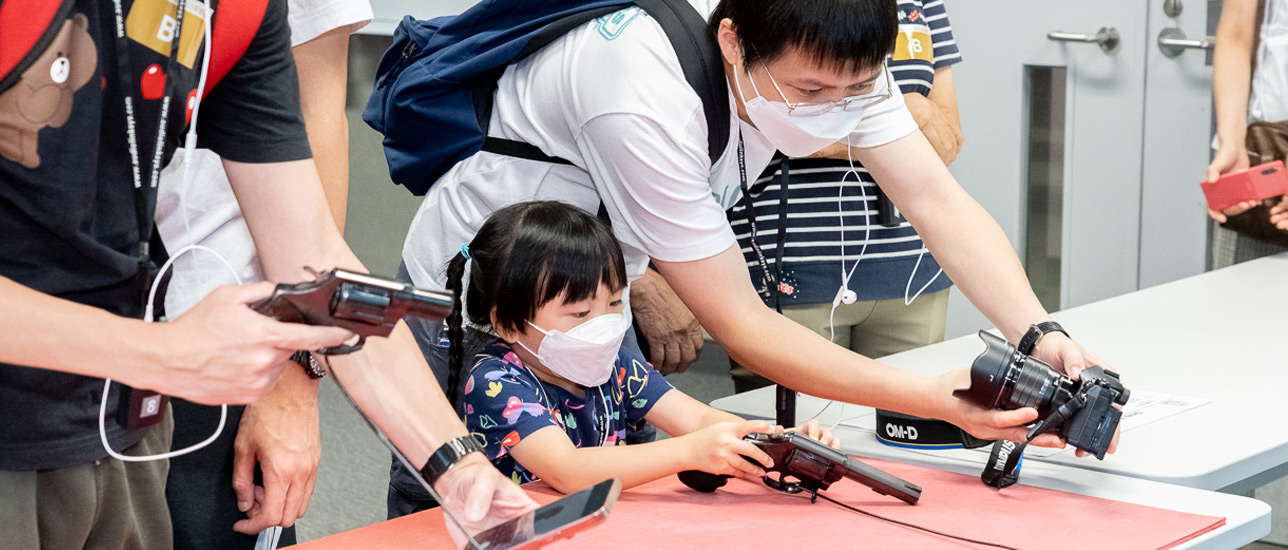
[814, 430]
[719, 449]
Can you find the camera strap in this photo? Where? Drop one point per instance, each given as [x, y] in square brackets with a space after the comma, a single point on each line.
[911, 432]
[1002, 470]
[902, 430]
[1003, 467]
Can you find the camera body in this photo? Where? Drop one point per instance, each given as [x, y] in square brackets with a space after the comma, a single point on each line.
[1082, 410]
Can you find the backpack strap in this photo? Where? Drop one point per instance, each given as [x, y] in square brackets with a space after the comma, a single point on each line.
[236, 24]
[519, 149]
[699, 59]
[26, 29]
[484, 87]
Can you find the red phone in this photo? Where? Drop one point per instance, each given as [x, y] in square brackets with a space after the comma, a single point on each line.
[1254, 184]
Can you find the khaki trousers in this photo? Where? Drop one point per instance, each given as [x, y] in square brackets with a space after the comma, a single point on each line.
[104, 505]
[874, 328]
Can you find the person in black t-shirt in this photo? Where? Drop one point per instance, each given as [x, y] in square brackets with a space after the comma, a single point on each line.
[78, 135]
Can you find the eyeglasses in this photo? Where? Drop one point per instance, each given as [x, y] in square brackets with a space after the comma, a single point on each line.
[852, 103]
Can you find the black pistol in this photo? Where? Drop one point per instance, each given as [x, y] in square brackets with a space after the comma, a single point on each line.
[365, 304]
[813, 465]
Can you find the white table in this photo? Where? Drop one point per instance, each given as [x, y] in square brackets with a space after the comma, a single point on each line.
[1221, 335]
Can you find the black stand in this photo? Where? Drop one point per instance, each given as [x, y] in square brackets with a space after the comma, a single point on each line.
[785, 406]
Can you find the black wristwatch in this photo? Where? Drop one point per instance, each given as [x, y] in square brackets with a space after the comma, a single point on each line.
[311, 365]
[448, 455]
[1035, 333]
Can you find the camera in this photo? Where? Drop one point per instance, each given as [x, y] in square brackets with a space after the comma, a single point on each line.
[1081, 411]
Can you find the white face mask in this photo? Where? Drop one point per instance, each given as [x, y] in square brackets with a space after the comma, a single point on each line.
[586, 354]
[796, 136]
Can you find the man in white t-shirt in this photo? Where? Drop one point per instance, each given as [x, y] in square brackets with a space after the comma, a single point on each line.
[611, 98]
[213, 495]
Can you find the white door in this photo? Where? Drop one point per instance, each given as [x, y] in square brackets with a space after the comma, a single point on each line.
[1085, 142]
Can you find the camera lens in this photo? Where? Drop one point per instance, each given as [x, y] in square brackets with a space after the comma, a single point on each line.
[1002, 378]
[1037, 386]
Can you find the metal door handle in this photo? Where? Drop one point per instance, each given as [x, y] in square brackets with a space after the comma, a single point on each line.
[1107, 37]
[1172, 42]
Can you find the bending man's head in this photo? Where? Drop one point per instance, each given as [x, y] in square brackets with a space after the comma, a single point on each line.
[842, 36]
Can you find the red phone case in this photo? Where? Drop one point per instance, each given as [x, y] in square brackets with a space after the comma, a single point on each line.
[1254, 184]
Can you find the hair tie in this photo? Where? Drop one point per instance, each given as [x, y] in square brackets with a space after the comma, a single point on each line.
[465, 250]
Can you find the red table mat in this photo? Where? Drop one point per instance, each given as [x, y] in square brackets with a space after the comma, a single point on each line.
[745, 515]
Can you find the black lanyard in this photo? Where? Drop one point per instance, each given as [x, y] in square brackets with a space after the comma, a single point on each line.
[784, 397]
[144, 197]
[772, 282]
[767, 279]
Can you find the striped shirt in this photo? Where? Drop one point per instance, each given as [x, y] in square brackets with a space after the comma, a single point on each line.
[820, 241]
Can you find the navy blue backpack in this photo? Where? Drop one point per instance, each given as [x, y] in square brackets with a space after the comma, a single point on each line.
[434, 86]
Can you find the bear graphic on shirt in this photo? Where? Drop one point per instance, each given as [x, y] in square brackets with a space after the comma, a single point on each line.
[43, 98]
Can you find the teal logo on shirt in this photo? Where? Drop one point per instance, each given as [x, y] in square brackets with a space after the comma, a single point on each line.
[612, 25]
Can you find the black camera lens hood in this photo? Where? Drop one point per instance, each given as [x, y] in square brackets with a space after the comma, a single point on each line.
[988, 371]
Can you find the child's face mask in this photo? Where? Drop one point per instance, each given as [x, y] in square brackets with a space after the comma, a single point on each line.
[585, 354]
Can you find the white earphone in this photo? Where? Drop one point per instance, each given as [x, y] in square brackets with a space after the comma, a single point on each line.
[843, 293]
[845, 296]
[190, 143]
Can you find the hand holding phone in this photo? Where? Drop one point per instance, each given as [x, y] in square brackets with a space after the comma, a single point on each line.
[558, 520]
[1254, 184]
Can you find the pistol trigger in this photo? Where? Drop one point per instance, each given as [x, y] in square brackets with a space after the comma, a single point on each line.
[345, 349]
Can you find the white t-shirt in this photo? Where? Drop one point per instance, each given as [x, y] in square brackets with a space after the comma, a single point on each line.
[611, 98]
[207, 205]
[1269, 101]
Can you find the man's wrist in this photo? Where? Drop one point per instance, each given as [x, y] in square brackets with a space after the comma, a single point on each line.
[297, 383]
[1037, 332]
[163, 347]
[455, 452]
[934, 399]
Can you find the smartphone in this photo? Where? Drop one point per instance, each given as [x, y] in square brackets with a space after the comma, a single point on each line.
[560, 519]
[1254, 184]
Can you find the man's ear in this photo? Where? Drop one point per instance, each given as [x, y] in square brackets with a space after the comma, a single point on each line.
[730, 46]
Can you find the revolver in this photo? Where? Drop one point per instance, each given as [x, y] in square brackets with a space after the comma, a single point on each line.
[364, 304]
[815, 467]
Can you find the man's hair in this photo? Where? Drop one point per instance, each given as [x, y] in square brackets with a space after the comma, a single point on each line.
[842, 35]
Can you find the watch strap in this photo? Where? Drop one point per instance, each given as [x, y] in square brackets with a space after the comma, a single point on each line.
[1035, 333]
[448, 455]
[310, 364]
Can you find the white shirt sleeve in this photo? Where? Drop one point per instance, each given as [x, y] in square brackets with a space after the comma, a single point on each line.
[883, 123]
[310, 19]
[653, 181]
